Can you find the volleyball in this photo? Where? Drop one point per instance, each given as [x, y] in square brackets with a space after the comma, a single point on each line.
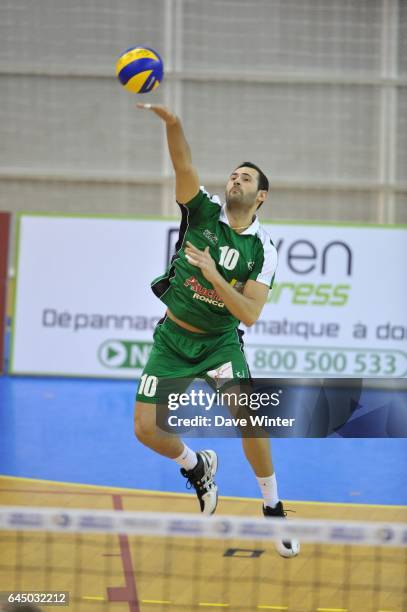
[140, 69]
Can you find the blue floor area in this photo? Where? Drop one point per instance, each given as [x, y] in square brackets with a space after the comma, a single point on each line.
[82, 431]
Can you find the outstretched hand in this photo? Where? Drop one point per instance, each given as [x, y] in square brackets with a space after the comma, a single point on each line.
[162, 111]
[203, 260]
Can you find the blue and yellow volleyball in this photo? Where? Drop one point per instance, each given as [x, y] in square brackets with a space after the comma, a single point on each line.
[140, 70]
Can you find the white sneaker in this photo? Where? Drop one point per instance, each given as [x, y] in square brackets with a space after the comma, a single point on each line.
[286, 548]
[201, 477]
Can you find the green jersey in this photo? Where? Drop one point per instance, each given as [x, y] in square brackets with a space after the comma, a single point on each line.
[239, 257]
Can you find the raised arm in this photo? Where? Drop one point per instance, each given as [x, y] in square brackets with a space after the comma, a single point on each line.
[186, 177]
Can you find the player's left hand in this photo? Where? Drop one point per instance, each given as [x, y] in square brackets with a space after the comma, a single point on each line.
[203, 260]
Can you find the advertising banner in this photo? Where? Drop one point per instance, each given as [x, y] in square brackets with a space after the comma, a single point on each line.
[338, 306]
[84, 306]
[4, 242]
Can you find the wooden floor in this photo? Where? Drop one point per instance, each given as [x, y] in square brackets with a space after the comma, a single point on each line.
[115, 572]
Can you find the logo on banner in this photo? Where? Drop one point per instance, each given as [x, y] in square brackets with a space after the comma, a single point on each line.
[61, 520]
[113, 354]
[124, 354]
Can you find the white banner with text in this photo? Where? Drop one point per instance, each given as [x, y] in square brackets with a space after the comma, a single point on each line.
[84, 306]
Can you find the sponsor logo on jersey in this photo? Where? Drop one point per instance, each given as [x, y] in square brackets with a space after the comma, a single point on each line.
[250, 265]
[203, 293]
[210, 236]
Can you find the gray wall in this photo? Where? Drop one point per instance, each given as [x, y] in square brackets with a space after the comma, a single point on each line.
[314, 91]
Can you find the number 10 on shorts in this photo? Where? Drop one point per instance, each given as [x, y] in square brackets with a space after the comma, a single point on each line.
[148, 385]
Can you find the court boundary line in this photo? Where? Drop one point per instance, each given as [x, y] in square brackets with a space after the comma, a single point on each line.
[105, 489]
[116, 594]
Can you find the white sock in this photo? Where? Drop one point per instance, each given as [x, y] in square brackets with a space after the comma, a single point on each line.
[187, 459]
[268, 488]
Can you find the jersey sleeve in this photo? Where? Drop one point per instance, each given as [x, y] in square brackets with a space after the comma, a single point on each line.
[202, 207]
[265, 264]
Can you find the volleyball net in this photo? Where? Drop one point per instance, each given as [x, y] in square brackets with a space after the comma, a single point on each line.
[101, 560]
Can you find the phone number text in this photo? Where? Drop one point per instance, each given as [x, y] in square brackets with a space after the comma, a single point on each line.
[326, 361]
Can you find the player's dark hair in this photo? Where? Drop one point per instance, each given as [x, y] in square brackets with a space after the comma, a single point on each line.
[263, 182]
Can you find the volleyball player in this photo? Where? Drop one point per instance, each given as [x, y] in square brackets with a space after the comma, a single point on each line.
[220, 276]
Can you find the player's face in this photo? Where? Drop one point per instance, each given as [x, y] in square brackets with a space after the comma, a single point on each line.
[242, 187]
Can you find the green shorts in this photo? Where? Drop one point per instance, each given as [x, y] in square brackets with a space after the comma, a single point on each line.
[179, 353]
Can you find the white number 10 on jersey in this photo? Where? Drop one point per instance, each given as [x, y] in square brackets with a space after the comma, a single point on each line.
[228, 257]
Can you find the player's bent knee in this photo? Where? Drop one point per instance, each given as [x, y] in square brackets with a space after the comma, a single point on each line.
[144, 421]
[143, 430]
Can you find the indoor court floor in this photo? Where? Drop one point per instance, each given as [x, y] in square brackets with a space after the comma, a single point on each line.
[70, 443]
